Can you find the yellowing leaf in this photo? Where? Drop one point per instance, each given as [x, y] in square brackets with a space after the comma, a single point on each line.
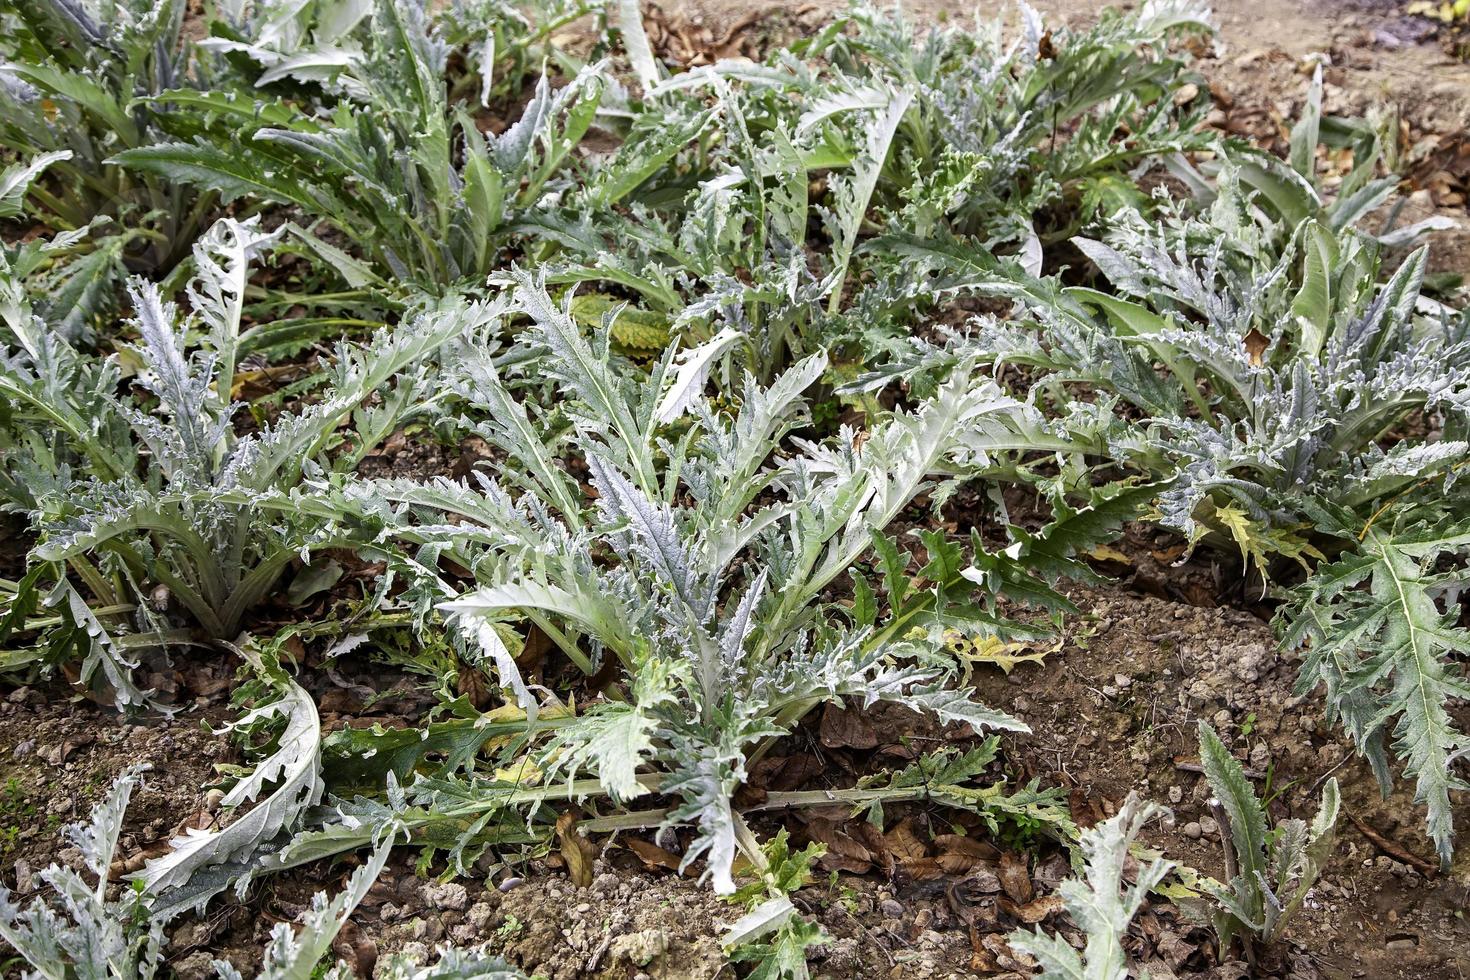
[514, 712]
[634, 330]
[522, 772]
[1257, 543]
[1106, 552]
[993, 650]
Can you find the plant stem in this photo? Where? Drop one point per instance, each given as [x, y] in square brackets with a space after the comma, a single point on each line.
[1232, 870]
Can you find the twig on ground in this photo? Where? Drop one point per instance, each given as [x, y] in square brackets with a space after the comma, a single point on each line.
[1427, 868]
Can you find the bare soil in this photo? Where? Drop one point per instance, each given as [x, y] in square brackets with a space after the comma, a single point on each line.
[1113, 710]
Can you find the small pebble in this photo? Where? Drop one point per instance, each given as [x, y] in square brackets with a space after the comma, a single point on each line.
[479, 916]
[1192, 830]
[1176, 794]
[25, 879]
[447, 895]
[890, 909]
[1208, 826]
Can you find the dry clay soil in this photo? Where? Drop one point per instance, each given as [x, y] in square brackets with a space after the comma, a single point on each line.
[1113, 710]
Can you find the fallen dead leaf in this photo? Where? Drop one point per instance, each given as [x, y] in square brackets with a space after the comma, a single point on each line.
[1175, 949]
[983, 879]
[904, 844]
[1168, 556]
[843, 852]
[354, 947]
[1015, 877]
[576, 850]
[973, 846]
[1086, 810]
[993, 650]
[652, 855]
[473, 685]
[957, 863]
[1052, 872]
[1005, 956]
[784, 772]
[1037, 909]
[846, 728]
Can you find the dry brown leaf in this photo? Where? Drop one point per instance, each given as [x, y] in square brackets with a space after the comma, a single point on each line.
[652, 855]
[1007, 957]
[1086, 810]
[838, 842]
[474, 686]
[784, 772]
[923, 869]
[843, 728]
[1169, 555]
[1015, 877]
[1038, 909]
[576, 850]
[872, 838]
[983, 961]
[832, 861]
[963, 844]
[983, 879]
[959, 854]
[904, 844]
[1255, 346]
[957, 863]
[1175, 949]
[354, 948]
[1052, 872]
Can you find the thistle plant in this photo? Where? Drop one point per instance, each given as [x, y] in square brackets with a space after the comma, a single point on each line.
[1289, 378]
[1253, 352]
[753, 192]
[702, 567]
[97, 938]
[1382, 637]
[192, 520]
[69, 75]
[1102, 904]
[394, 168]
[1281, 372]
[1006, 129]
[1292, 192]
[1270, 870]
